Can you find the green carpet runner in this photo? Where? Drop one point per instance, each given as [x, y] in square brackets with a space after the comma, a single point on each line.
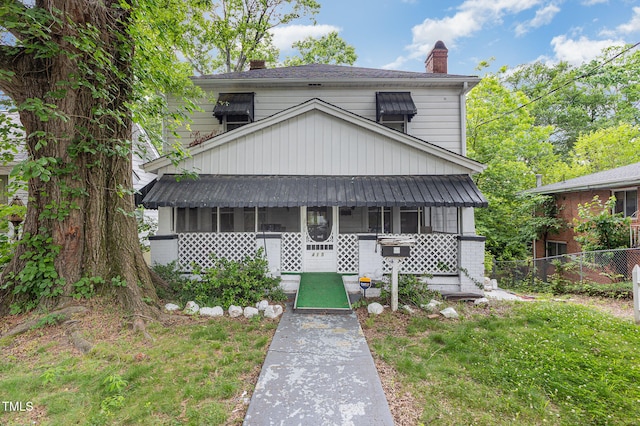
[321, 290]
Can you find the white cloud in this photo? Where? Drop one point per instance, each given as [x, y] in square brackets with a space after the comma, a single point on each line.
[593, 2]
[633, 25]
[543, 16]
[471, 17]
[579, 51]
[284, 37]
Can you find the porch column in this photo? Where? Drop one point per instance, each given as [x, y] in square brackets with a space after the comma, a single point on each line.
[471, 263]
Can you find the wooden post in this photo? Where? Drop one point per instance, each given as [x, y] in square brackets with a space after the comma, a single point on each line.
[636, 296]
[395, 267]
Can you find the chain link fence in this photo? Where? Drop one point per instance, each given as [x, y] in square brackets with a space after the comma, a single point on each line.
[594, 267]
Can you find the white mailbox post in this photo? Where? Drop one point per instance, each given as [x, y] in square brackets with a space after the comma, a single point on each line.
[395, 250]
[636, 297]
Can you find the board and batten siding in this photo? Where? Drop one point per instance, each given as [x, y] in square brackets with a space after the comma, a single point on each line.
[437, 120]
[315, 143]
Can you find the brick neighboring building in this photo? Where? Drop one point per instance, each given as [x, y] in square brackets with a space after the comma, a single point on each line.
[623, 182]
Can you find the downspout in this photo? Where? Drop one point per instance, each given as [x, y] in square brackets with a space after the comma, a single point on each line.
[463, 119]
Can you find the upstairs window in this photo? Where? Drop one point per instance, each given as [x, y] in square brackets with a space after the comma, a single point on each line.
[234, 110]
[395, 109]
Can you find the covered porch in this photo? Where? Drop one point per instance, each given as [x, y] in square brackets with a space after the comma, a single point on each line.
[322, 224]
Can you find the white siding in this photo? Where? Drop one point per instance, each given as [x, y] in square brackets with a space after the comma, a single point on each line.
[437, 121]
[316, 143]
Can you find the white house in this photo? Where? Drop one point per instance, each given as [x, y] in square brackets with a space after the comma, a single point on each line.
[315, 162]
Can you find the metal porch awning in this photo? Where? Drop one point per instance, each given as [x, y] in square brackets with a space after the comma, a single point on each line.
[234, 104]
[395, 103]
[315, 191]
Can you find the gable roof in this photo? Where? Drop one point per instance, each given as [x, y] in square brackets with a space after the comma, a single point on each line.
[316, 104]
[327, 72]
[615, 178]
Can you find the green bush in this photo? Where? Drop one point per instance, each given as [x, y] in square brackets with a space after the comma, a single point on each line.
[411, 291]
[611, 291]
[233, 283]
[175, 279]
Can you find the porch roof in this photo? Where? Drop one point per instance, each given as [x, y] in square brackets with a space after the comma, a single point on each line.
[315, 191]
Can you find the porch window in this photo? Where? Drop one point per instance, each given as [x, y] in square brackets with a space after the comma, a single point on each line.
[187, 220]
[556, 248]
[410, 220]
[626, 202]
[441, 219]
[226, 220]
[380, 220]
[279, 219]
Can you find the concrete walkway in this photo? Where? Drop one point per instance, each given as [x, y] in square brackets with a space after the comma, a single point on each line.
[318, 371]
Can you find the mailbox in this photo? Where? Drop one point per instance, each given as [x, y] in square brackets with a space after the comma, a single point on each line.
[396, 251]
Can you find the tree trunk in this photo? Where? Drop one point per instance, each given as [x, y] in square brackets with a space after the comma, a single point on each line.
[78, 220]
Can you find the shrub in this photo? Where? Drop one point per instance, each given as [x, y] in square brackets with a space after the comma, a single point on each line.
[411, 291]
[234, 283]
[175, 279]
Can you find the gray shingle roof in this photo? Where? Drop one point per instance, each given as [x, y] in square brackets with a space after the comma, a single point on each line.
[615, 178]
[325, 72]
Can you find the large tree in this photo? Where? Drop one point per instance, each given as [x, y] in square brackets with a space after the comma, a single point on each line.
[576, 100]
[514, 149]
[67, 66]
[328, 49]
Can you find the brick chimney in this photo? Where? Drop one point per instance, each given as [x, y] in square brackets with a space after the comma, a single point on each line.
[436, 62]
[257, 64]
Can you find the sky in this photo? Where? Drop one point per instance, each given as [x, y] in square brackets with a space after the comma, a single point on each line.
[398, 34]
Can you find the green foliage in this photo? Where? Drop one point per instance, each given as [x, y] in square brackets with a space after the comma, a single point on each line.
[38, 278]
[412, 290]
[599, 228]
[328, 49]
[175, 279]
[514, 149]
[223, 37]
[86, 287]
[229, 282]
[114, 387]
[48, 320]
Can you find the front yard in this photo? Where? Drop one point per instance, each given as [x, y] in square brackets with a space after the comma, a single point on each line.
[530, 363]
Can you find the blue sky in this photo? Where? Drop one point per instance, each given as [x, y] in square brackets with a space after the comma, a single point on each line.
[398, 34]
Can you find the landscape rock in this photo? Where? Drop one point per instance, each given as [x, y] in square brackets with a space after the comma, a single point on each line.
[481, 301]
[375, 308]
[235, 311]
[171, 307]
[191, 308]
[273, 311]
[262, 305]
[487, 284]
[250, 312]
[432, 305]
[408, 309]
[216, 311]
[449, 313]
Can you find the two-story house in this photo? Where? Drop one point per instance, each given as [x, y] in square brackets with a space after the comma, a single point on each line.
[314, 163]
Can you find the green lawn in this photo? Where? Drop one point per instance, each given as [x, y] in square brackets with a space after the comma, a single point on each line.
[197, 373]
[524, 364]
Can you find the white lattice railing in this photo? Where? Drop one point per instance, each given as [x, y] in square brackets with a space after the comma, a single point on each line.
[348, 254]
[291, 252]
[435, 254]
[202, 247]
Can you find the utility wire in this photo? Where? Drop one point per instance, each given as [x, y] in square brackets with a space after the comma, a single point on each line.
[544, 95]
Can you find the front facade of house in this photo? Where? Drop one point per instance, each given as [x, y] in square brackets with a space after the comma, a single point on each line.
[622, 182]
[314, 163]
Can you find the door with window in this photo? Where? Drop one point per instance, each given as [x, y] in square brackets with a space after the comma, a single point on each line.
[320, 227]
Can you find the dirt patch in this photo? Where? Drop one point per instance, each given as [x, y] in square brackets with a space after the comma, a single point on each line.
[620, 308]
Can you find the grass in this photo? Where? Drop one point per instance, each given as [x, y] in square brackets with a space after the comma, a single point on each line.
[196, 372]
[525, 364]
